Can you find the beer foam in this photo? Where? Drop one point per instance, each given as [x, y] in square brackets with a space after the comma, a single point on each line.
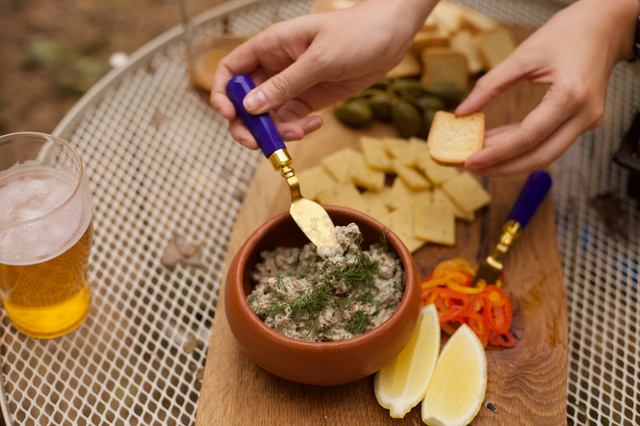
[34, 191]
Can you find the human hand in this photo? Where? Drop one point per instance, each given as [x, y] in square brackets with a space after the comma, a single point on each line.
[310, 62]
[574, 53]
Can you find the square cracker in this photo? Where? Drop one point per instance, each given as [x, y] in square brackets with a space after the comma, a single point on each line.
[375, 153]
[444, 65]
[417, 146]
[435, 225]
[376, 202]
[363, 176]
[411, 177]
[436, 173]
[466, 192]
[401, 223]
[453, 139]
[401, 195]
[343, 194]
[442, 200]
[338, 164]
[314, 181]
[400, 150]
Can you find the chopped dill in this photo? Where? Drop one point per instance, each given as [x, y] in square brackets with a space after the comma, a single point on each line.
[363, 269]
[358, 323]
[383, 241]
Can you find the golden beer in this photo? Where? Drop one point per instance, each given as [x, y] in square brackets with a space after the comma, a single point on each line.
[46, 230]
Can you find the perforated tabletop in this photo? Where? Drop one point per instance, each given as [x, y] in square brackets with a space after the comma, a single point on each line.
[161, 160]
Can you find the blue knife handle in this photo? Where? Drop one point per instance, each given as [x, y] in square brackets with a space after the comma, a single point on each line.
[261, 126]
[533, 192]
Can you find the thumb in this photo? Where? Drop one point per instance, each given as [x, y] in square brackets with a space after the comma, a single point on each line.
[284, 86]
[496, 81]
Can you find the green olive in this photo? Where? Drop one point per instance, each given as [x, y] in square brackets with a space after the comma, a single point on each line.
[406, 118]
[381, 84]
[411, 89]
[369, 92]
[354, 113]
[449, 93]
[427, 120]
[381, 106]
[430, 102]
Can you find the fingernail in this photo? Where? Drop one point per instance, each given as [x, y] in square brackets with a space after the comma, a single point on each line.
[244, 143]
[254, 101]
[314, 125]
[289, 136]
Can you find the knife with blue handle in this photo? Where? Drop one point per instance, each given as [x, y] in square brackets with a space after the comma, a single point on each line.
[531, 195]
[312, 219]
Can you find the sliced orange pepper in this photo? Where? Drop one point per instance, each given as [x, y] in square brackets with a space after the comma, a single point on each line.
[464, 289]
[445, 266]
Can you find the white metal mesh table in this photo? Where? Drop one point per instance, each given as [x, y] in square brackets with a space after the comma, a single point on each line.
[160, 160]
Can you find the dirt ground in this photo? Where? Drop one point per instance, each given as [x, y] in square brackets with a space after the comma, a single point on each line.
[52, 51]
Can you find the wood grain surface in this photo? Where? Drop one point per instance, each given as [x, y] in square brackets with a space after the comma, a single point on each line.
[528, 382]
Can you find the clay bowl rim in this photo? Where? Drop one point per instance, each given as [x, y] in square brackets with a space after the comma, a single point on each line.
[404, 308]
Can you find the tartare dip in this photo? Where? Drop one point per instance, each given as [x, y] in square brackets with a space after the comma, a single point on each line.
[327, 294]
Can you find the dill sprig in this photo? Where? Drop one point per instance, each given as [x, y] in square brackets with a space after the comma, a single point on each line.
[358, 323]
[383, 241]
[363, 269]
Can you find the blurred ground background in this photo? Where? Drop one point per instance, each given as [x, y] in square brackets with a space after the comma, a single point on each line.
[53, 51]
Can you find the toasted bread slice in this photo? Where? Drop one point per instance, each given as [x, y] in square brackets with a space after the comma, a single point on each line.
[408, 67]
[464, 42]
[453, 139]
[448, 16]
[444, 65]
[427, 39]
[495, 46]
[478, 22]
[430, 24]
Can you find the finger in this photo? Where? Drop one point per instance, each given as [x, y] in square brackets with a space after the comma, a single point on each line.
[293, 110]
[499, 130]
[240, 133]
[496, 81]
[286, 85]
[240, 59]
[219, 99]
[309, 124]
[290, 131]
[541, 156]
[536, 127]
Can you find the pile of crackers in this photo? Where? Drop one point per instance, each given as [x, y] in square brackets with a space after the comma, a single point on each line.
[422, 203]
[453, 44]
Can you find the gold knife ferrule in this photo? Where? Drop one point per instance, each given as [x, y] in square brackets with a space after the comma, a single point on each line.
[281, 161]
[510, 233]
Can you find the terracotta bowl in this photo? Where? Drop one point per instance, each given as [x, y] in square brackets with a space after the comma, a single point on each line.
[318, 363]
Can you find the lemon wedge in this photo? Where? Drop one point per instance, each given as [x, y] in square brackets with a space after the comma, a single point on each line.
[457, 387]
[402, 383]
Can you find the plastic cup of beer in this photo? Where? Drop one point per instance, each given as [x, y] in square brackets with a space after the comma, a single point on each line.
[46, 230]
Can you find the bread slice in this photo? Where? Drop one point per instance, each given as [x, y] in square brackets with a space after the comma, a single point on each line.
[478, 22]
[430, 24]
[453, 139]
[448, 16]
[427, 39]
[465, 43]
[409, 66]
[444, 65]
[495, 46]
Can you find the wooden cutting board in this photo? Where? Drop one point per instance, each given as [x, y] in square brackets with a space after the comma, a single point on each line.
[528, 382]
